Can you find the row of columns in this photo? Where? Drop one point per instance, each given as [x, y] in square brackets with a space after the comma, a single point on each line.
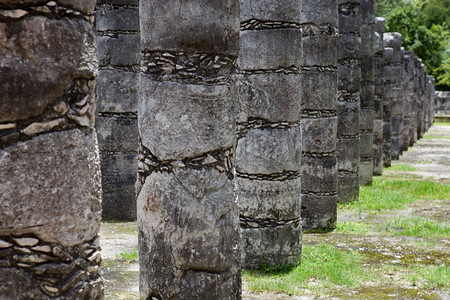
[251, 121]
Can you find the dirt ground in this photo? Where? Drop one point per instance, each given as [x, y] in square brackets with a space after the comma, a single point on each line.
[431, 159]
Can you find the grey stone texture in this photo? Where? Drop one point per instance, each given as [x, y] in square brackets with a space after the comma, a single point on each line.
[442, 103]
[348, 107]
[388, 91]
[395, 73]
[50, 193]
[367, 95]
[320, 23]
[189, 236]
[117, 26]
[408, 102]
[269, 145]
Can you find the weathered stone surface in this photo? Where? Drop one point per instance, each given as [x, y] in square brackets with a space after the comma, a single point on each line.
[286, 251]
[348, 187]
[267, 97]
[117, 91]
[118, 184]
[120, 19]
[216, 31]
[34, 44]
[263, 151]
[117, 134]
[118, 50]
[186, 227]
[45, 203]
[174, 128]
[278, 10]
[348, 118]
[84, 6]
[260, 49]
[319, 174]
[318, 212]
[347, 152]
[442, 100]
[349, 79]
[263, 199]
[320, 12]
[314, 95]
[319, 135]
[320, 50]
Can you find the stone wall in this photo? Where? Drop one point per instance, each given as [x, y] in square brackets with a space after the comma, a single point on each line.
[268, 154]
[189, 242]
[378, 97]
[366, 117]
[50, 194]
[349, 83]
[320, 24]
[442, 103]
[117, 24]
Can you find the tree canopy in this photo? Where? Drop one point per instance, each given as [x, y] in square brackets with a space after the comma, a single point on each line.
[425, 29]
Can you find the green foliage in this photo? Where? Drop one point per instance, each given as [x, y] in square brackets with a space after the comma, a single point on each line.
[128, 255]
[424, 25]
[430, 276]
[353, 227]
[401, 168]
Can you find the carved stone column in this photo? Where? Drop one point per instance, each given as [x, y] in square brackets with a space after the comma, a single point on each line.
[378, 98]
[268, 155]
[189, 243]
[50, 193]
[408, 96]
[349, 84]
[117, 25]
[319, 114]
[366, 117]
[388, 92]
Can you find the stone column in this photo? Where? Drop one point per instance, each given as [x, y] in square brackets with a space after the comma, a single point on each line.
[366, 117]
[378, 98]
[419, 95]
[430, 101]
[349, 83]
[189, 243]
[50, 193]
[388, 93]
[394, 91]
[117, 25]
[268, 154]
[412, 96]
[422, 94]
[319, 114]
[408, 83]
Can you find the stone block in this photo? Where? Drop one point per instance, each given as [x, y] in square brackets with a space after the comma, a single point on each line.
[377, 160]
[119, 2]
[119, 50]
[380, 24]
[395, 147]
[348, 187]
[379, 84]
[44, 202]
[118, 179]
[367, 8]
[348, 116]
[117, 91]
[392, 40]
[396, 124]
[267, 151]
[392, 74]
[349, 46]
[314, 96]
[188, 223]
[366, 146]
[262, 199]
[119, 19]
[260, 49]
[216, 31]
[179, 120]
[378, 131]
[319, 174]
[366, 119]
[367, 40]
[260, 247]
[365, 172]
[117, 134]
[378, 108]
[320, 50]
[320, 12]
[349, 78]
[319, 135]
[367, 69]
[367, 95]
[273, 97]
[26, 50]
[272, 10]
[387, 132]
[388, 54]
[387, 155]
[398, 106]
[378, 44]
[348, 153]
[349, 17]
[319, 212]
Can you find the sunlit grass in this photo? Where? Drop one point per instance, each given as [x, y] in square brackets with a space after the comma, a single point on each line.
[128, 255]
[353, 227]
[387, 193]
[401, 168]
[430, 276]
[418, 227]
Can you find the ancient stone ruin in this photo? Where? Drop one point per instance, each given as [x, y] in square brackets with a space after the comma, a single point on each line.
[117, 25]
[50, 193]
[442, 103]
[320, 24]
[227, 128]
[189, 242]
[349, 84]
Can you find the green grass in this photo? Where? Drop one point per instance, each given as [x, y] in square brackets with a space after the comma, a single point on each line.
[128, 255]
[323, 266]
[430, 276]
[442, 123]
[389, 193]
[353, 227]
[401, 168]
[435, 137]
[418, 227]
